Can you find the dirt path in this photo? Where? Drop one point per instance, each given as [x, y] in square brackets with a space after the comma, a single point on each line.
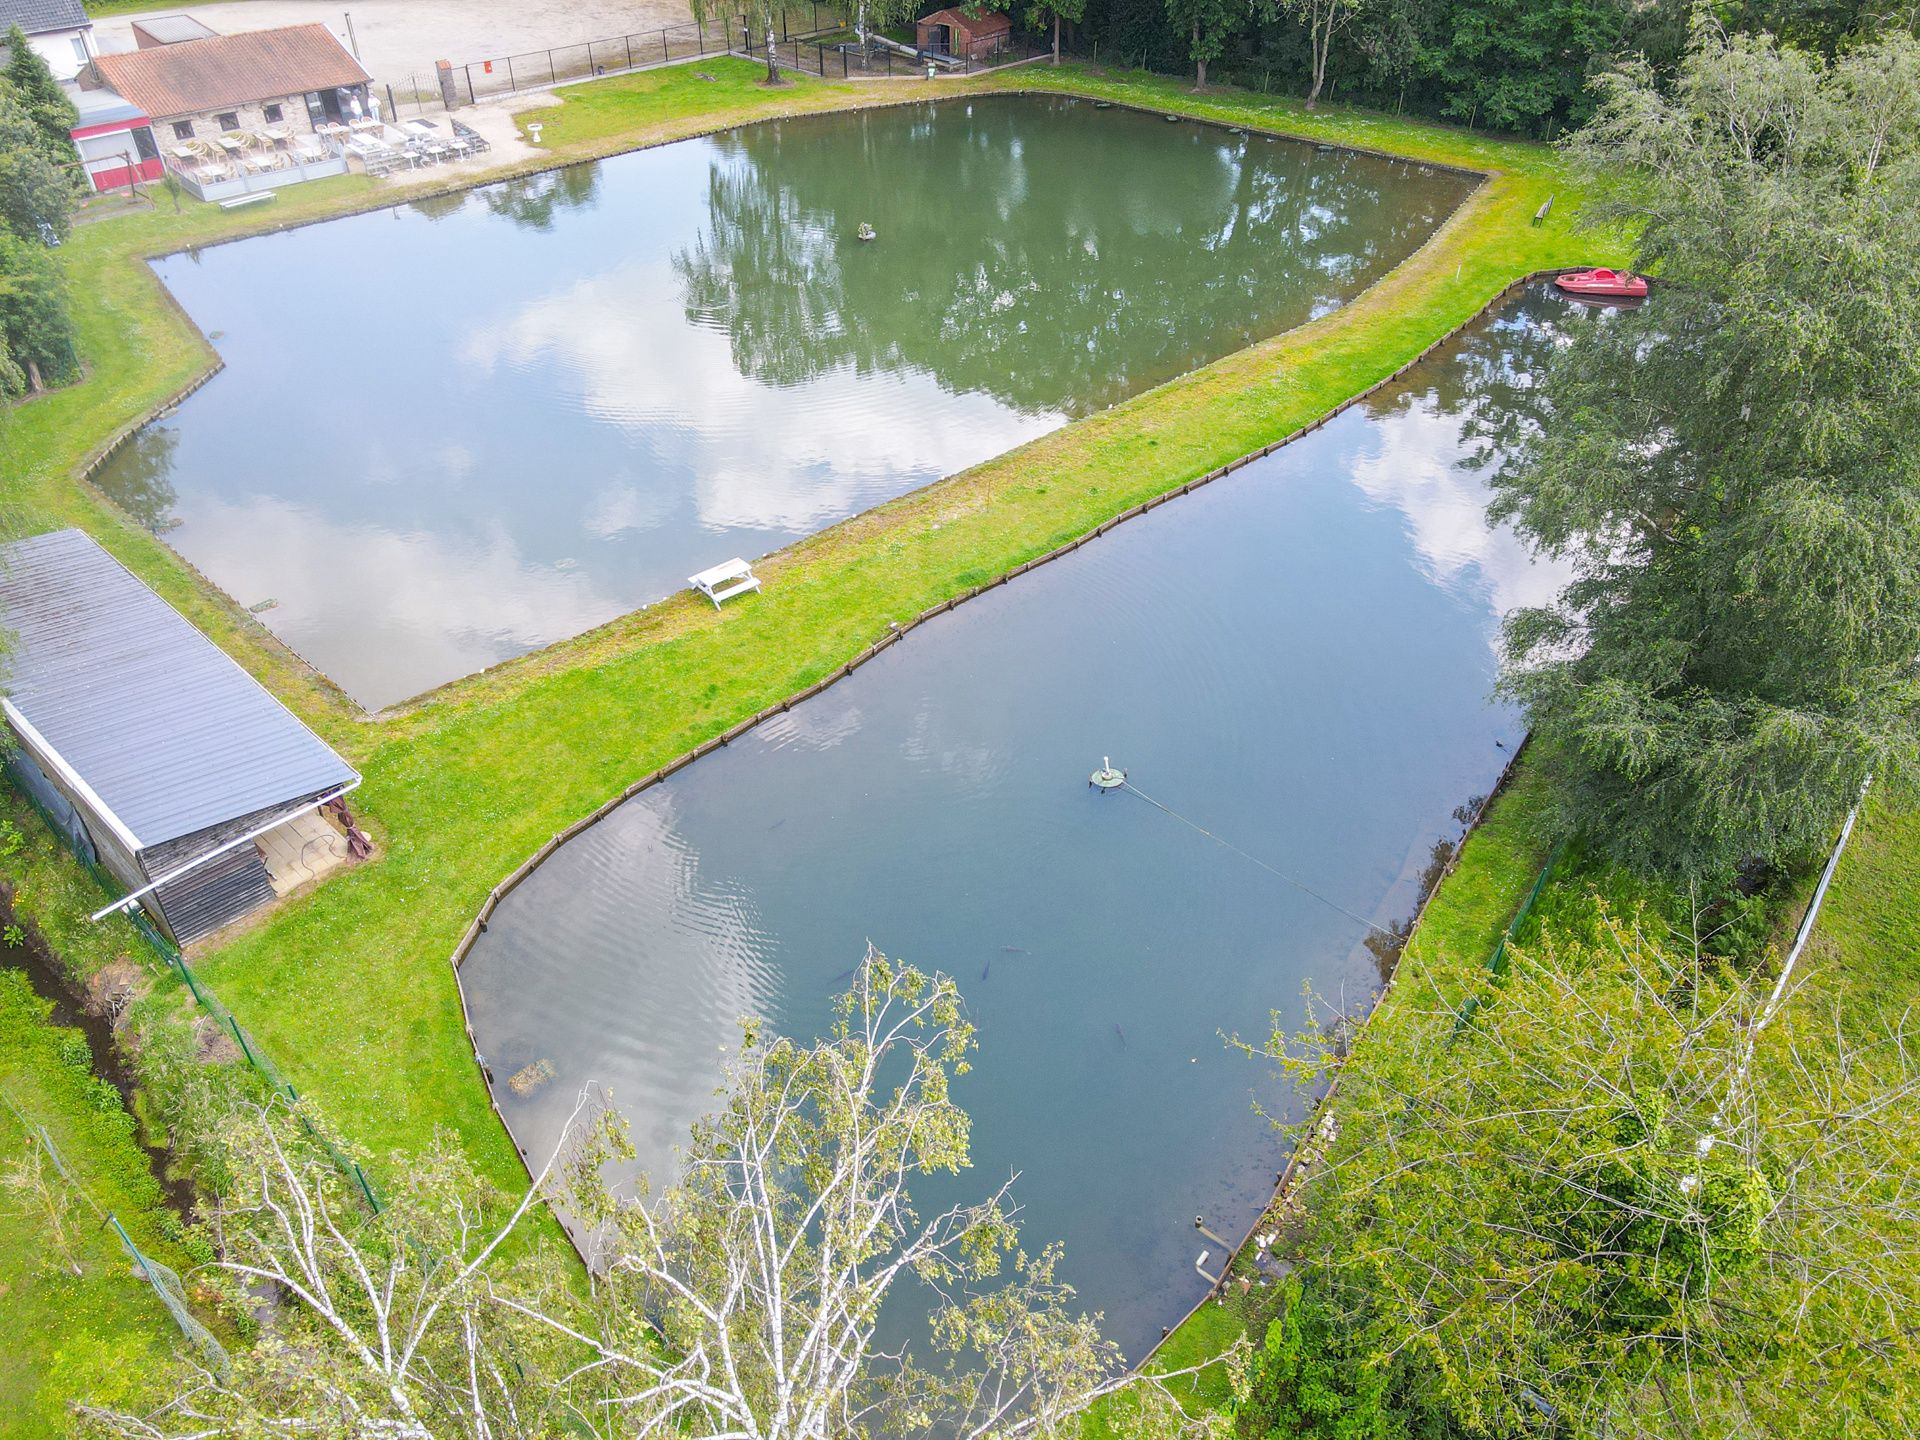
[400, 38]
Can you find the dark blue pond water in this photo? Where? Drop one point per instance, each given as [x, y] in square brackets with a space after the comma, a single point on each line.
[459, 430]
[1297, 657]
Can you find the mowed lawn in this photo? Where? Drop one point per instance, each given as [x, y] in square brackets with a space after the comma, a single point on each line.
[350, 990]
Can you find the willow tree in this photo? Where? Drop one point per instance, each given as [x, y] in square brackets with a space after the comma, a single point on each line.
[756, 16]
[1734, 470]
[871, 15]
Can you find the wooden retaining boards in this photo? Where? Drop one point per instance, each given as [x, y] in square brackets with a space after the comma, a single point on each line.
[1289, 1176]
[533, 862]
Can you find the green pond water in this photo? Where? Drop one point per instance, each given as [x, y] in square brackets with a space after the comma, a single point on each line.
[455, 431]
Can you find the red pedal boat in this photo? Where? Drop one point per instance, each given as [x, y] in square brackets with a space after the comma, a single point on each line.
[1612, 284]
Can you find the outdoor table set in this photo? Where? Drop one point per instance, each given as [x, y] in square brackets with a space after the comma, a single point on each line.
[243, 152]
[413, 143]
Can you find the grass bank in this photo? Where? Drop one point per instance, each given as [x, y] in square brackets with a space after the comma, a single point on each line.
[101, 1334]
[350, 988]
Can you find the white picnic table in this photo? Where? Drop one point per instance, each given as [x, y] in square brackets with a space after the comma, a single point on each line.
[723, 582]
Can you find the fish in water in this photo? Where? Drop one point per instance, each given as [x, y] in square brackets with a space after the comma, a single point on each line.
[844, 976]
[778, 823]
[1121, 1033]
[1012, 950]
[986, 967]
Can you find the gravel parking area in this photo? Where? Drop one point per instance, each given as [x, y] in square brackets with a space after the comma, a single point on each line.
[399, 39]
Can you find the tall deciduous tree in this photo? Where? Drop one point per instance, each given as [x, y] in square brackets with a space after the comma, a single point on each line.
[1323, 20]
[1623, 1190]
[36, 331]
[1735, 468]
[1208, 25]
[1043, 13]
[40, 96]
[36, 200]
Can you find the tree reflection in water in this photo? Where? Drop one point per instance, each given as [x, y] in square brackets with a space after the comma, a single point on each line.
[139, 480]
[1087, 287]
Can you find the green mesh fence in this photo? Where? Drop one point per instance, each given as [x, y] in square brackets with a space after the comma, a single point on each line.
[169, 954]
[1497, 962]
[165, 1283]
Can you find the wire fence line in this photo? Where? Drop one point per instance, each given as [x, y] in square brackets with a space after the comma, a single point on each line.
[164, 1281]
[169, 955]
[849, 60]
[449, 85]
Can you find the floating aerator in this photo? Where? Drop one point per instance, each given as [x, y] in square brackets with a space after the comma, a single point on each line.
[1106, 777]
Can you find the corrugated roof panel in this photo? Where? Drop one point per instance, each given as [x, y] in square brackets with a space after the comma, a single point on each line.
[168, 731]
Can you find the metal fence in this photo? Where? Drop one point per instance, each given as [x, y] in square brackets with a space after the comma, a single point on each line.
[470, 82]
[165, 1283]
[169, 954]
[849, 60]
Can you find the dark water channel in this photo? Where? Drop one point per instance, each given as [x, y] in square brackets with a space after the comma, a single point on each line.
[49, 979]
[458, 430]
[1298, 658]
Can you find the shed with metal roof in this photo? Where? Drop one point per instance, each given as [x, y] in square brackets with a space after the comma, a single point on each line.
[161, 759]
[152, 30]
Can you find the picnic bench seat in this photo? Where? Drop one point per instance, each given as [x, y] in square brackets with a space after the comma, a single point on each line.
[252, 197]
[723, 582]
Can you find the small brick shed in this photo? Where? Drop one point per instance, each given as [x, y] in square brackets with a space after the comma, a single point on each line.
[954, 32]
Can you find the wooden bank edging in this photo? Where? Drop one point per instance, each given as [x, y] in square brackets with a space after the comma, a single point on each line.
[898, 632]
[1289, 1175]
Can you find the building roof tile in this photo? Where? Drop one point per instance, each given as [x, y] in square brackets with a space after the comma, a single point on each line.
[223, 71]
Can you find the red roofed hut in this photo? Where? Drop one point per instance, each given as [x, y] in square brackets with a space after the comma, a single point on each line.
[955, 32]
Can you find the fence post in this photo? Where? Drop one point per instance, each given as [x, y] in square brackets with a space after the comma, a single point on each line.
[240, 1036]
[512, 84]
[365, 1188]
[551, 77]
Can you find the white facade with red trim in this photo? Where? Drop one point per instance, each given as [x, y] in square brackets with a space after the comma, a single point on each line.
[115, 141]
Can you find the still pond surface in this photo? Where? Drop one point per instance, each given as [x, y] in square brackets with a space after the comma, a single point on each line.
[459, 430]
[1297, 657]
